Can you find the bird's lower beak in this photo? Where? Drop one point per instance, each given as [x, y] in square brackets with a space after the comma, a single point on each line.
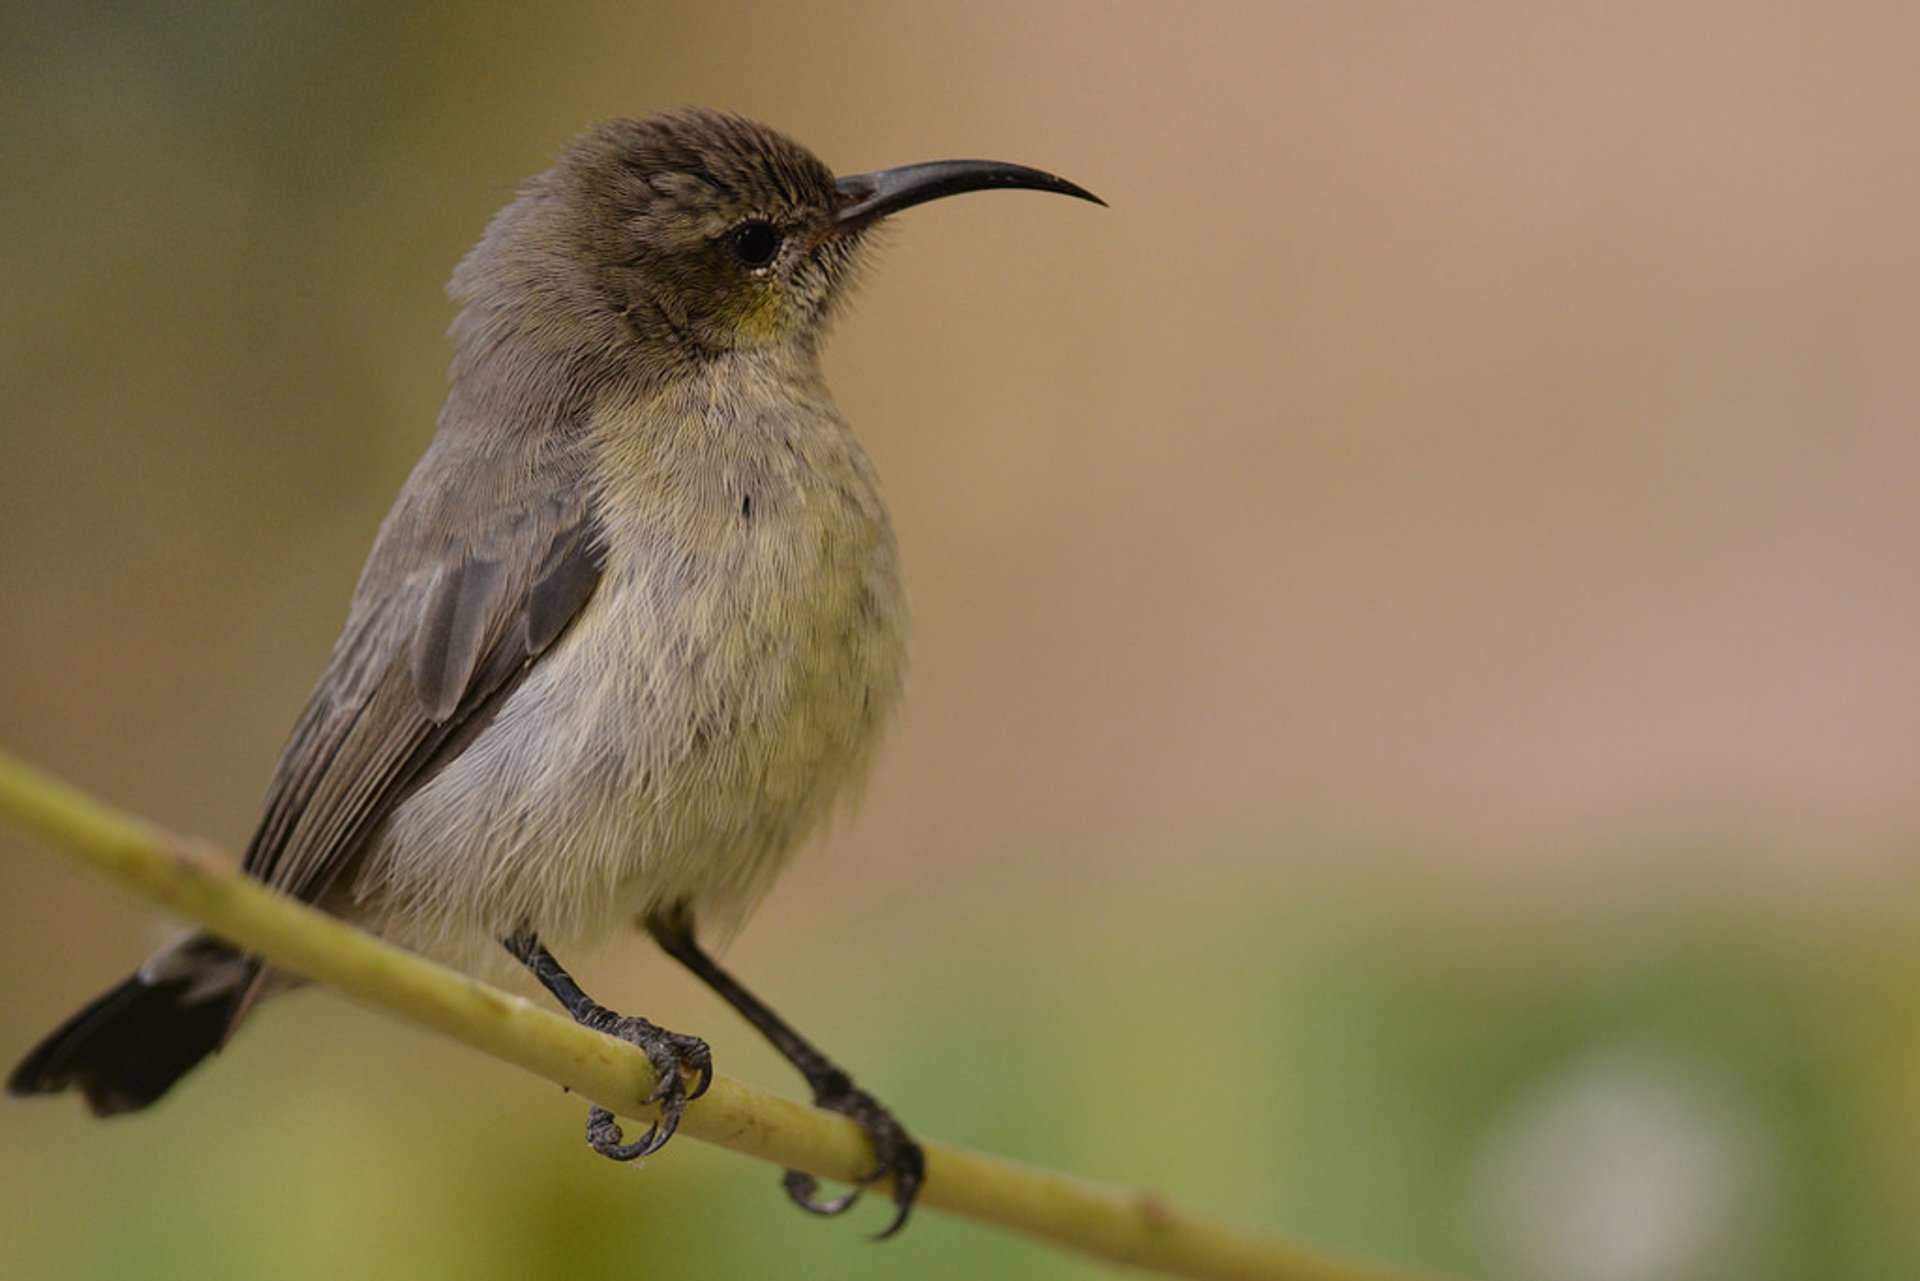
[867, 197]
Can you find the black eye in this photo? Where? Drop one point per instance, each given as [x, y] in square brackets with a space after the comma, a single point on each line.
[755, 244]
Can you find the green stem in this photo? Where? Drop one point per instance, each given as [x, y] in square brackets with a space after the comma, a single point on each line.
[1140, 1228]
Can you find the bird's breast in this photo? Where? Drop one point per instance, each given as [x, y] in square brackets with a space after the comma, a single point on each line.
[750, 618]
[723, 686]
[748, 633]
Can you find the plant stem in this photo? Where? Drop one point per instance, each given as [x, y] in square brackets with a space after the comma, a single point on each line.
[1135, 1227]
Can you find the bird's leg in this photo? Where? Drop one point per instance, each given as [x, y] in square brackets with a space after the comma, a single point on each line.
[895, 1152]
[674, 1056]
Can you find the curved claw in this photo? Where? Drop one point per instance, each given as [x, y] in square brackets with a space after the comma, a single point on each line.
[669, 1091]
[801, 1187]
[672, 1055]
[895, 1155]
[605, 1136]
[905, 1208]
[908, 1165]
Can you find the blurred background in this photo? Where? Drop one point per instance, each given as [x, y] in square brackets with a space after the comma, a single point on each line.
[1416, 695]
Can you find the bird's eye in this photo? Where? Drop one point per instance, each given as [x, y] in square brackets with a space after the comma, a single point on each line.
[755, 244]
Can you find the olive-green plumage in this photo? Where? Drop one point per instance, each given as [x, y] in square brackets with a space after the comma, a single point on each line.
[634, 623]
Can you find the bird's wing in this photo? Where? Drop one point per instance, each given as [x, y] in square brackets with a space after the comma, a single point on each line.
[485, 559]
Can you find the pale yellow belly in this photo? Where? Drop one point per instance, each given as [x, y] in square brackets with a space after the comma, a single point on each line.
[676, 745]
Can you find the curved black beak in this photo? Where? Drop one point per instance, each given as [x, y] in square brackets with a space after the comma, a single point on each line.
[866, 197]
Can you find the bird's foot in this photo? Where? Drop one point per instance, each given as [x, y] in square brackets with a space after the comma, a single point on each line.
[675, 1058]
[895, 1154]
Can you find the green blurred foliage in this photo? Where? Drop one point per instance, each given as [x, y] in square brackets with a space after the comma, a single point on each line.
[1396, 1080]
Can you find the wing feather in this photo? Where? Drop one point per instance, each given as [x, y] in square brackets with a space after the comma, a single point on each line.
[485, 560]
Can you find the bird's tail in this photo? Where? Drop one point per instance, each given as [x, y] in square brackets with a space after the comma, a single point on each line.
[130, 1045]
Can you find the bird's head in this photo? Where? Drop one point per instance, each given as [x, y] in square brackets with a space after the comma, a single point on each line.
[694, 232]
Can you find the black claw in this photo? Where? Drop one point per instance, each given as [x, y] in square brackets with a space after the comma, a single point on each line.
[909, 1171]
[896, 1155]
[894, 1150]
[801, 1188]
[605, 1137]
[673, 1056]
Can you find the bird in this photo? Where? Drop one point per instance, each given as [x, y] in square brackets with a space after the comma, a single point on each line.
[629, 634]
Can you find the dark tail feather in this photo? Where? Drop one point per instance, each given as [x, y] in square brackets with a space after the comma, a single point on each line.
[125, 1049]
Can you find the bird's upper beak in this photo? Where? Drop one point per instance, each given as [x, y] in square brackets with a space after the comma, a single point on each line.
[868, 197]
